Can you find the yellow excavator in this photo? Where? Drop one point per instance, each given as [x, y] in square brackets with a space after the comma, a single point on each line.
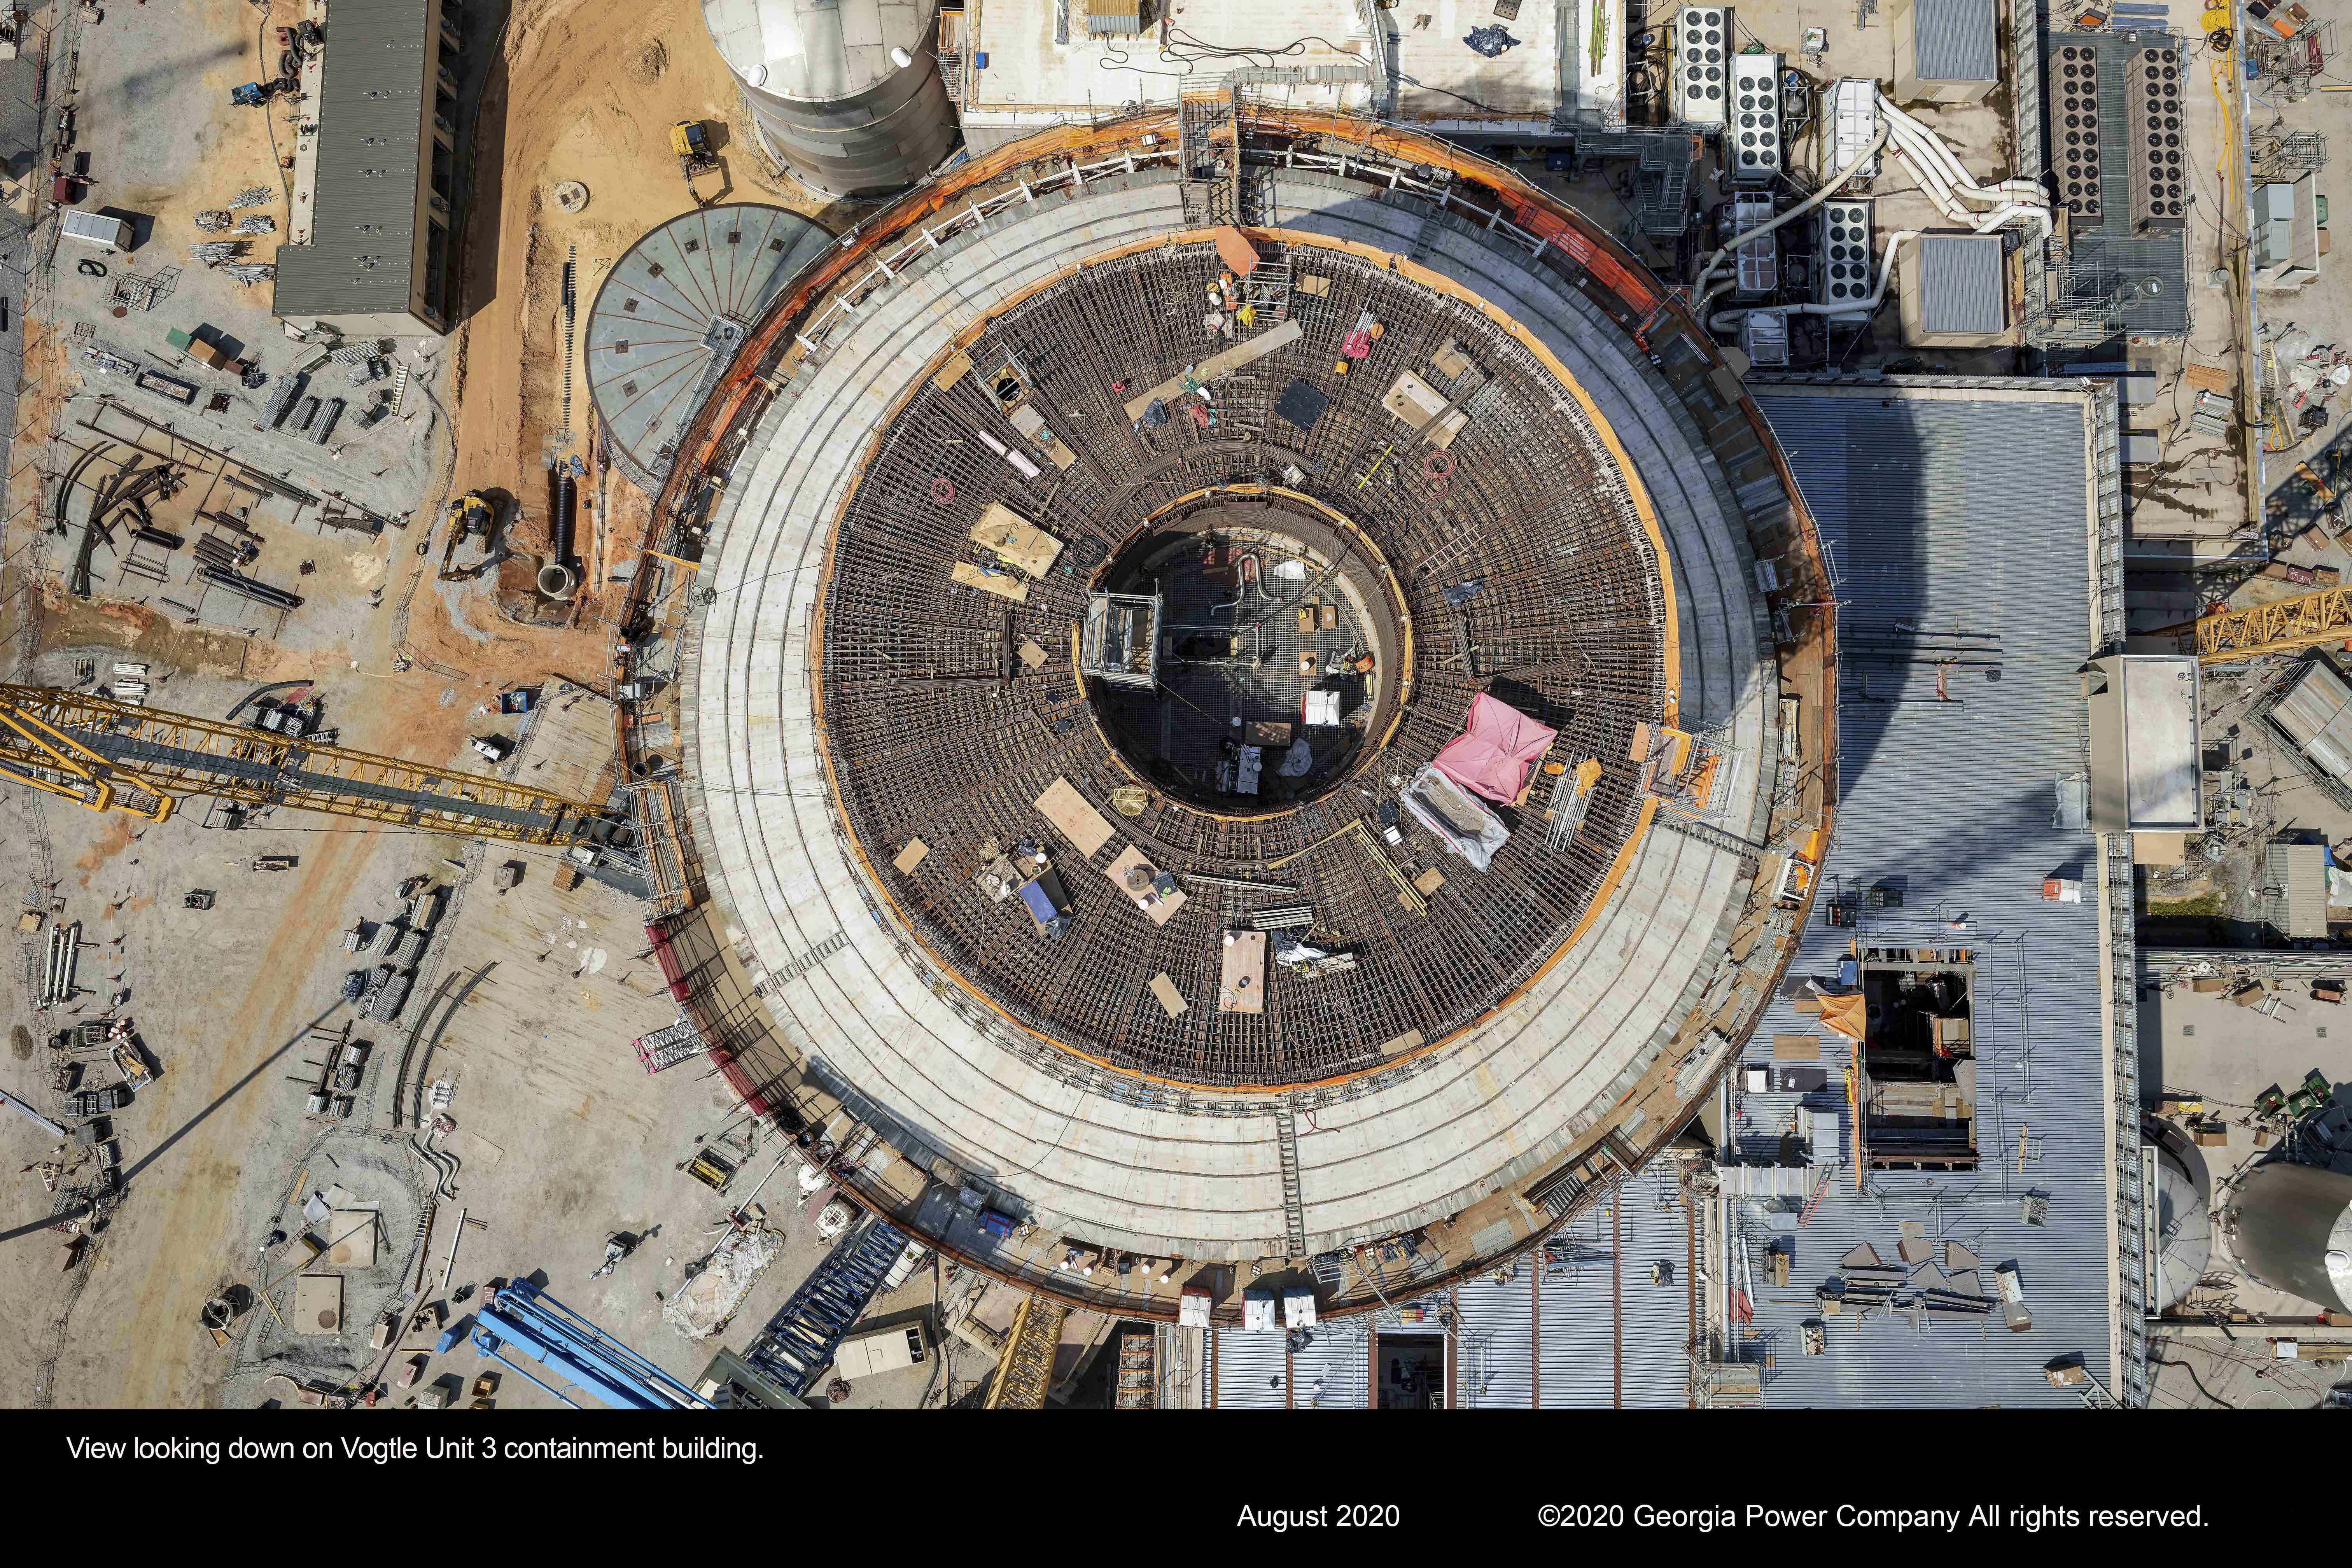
[691, 143]
[471, 515]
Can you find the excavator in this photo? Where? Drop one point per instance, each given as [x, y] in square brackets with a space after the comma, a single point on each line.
[691, 143]
[471, 515]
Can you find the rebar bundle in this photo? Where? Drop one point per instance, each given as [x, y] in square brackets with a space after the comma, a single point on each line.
[251, 272]
[260, 223]
[212, 253]
[212, 220]
[253, 196]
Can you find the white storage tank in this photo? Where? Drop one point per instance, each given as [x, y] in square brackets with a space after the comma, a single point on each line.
[828, 97]
[2290, 1227]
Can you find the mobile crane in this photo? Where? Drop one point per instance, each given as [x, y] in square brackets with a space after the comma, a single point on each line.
[106, 755]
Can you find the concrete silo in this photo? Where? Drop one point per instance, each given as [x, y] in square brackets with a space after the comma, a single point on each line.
[2290, 1227]
[829, 100]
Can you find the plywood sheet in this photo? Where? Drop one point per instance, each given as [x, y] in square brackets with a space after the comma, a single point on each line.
[911, 856]
[352, 1233]
[1003, 584]
[1796, 1048]
[1157, 908]
[317, 1304]
[1241, 979]
[2206, 377]
[958, 366]
[1172, 1001]
[1016, 540]
[1416, 403]
[1079, 823]
[1403, 1042]
[1218, 364]
[1031, 654]
[1429, 881]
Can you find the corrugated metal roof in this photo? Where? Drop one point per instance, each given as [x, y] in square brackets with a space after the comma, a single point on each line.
[1953, 40]
[1497, 1339]
[1952, 515]
[374, 105]
[1576, 1299]
[1333, 1371]
[1654, 1235]
[2299, 908]
[2316, 714]
[1253, 1370]
[1960, 284]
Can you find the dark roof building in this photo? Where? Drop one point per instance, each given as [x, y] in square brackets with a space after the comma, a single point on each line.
[373, 238]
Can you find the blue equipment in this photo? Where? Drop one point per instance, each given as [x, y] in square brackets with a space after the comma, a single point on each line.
[799, 1341]
[523, 1317]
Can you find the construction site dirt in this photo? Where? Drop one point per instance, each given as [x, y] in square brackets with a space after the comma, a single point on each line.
[227, 996]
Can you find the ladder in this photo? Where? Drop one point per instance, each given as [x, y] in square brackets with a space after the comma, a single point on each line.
[1027, 1371]
[1828, 1173]
[2095, 1396]
[400, 388]
[1293, 1208]
[1138, 1371]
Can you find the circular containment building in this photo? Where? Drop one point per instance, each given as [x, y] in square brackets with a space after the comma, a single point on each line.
[668, 317]
[1233, 744]
[828, 98]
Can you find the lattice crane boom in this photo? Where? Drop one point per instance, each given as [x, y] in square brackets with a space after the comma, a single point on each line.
[110, 756]
[2281, 626]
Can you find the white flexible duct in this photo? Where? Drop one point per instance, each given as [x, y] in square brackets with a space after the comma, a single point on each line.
[1924, 146]
[1728, 320]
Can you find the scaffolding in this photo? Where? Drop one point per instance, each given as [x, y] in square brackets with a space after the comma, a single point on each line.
[2287, 155]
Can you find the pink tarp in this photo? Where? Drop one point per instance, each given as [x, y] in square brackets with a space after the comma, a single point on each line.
[1497, 747]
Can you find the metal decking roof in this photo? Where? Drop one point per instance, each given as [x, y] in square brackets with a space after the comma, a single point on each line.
[1953, 40]
[1965, 513]
[374, 98]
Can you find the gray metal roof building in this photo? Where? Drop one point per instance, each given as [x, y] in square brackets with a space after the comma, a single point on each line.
[1968, 508]
[380, 214]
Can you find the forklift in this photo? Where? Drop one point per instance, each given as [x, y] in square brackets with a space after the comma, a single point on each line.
[692, 144]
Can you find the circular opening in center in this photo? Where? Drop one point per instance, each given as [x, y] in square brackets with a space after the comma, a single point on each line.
[1243, 655]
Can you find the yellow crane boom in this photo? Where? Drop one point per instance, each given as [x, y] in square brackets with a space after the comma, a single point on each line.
[115, 756]
[1027, 1371]
[2281, 626]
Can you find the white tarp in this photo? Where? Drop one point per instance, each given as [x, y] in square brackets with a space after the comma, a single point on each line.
[703, 1306]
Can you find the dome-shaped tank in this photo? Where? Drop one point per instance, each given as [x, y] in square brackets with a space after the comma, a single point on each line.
[828, 99]
[2290, 1227]
[2184, 1232]
[668, 317]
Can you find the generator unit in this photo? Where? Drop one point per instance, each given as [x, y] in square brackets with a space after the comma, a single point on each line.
[2073, 80]
[1843, 272]
[1703, 54]
[1752, 137]
[2160, 173]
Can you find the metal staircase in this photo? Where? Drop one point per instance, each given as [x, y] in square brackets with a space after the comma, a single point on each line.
[1293, 1209]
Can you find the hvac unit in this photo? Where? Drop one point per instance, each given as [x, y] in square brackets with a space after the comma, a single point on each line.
[1843, 273]
[1853, 122]
[1752, 137]
[1703, 64]
[2072, 78]
[1765, 335]
[2152, 115]
[1759, 259]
